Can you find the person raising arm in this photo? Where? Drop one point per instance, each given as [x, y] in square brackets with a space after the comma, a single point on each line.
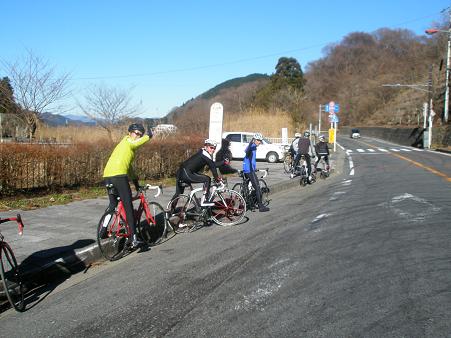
[119, 170]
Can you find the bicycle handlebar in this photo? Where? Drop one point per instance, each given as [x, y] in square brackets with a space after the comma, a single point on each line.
[18, 220]
[159, 189]
[265, 172]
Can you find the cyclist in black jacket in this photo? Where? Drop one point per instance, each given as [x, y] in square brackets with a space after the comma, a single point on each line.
[223, 158]
[322, 150]
[304, 148]
[189, 171]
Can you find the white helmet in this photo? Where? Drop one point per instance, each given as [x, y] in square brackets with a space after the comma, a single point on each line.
[297, 135]
[210, 142]
[322, 137]
[258, 136]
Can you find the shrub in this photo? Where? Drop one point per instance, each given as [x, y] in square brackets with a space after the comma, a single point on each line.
[26, 167]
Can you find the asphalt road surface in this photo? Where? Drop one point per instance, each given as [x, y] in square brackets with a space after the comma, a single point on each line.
[362, 254]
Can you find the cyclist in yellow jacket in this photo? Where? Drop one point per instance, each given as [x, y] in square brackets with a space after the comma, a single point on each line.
[119, 170]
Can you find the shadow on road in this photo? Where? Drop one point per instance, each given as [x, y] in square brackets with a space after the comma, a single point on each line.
[44, 270]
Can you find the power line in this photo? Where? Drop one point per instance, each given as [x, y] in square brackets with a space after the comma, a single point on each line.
[235, 61]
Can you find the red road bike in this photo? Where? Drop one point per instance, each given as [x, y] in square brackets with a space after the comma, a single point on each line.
[113, 232]
[9, 272]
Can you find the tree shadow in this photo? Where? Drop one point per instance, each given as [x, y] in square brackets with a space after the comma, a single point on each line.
[44, 270]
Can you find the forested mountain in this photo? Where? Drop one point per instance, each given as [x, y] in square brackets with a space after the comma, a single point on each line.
[354, 72]
[234, 95]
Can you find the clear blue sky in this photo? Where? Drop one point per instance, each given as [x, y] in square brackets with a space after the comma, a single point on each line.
[172, 51]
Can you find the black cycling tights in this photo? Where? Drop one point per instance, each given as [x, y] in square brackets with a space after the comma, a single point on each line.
[125, 193]
[184, 175]
[254, 180]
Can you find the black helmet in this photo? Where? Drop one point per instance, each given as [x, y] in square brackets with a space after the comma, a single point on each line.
[136, 126]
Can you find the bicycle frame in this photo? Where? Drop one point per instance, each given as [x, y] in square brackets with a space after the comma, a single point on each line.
[143, 207]
[17, 219]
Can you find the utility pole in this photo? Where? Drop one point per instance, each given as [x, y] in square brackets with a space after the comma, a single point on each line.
[319, 120]
[446, 108]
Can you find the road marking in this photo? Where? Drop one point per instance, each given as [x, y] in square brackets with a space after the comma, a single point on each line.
[336, 194]
[413, 208]
[432, 170]
[347, 182]
[360, 150]
[394, 149]
[320, 217]
[349, 151]
[384, 150]
[351, 165]
[342, 148]
[268, 284]
[404, 149]
[371, 150]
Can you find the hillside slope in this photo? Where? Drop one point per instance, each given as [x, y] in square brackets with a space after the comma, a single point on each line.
[193, 116]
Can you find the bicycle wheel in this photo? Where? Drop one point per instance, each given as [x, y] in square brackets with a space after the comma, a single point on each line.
[265, 191]
[112, 236]
[287, 163]
[11, 279]
[229, 208]
[183, 213]
[152, 224]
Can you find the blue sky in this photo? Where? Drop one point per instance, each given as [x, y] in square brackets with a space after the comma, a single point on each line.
[171, 51]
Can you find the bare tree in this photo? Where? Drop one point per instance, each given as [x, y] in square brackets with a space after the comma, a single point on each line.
[37, 88]
[108, 106]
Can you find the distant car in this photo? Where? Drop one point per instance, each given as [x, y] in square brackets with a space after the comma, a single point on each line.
[266, 151]
[355, 133]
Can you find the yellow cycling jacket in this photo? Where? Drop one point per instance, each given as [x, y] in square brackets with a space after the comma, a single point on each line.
[120, 161]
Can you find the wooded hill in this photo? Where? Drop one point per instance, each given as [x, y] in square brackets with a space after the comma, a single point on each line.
[352, 72]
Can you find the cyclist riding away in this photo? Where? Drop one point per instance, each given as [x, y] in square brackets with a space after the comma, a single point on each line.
[294, 145]
[322, 150]
[119, 170]
[305, 148]
[189, 171]
[250, 167]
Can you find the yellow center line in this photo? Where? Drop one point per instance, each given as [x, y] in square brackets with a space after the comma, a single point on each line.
[418, 164]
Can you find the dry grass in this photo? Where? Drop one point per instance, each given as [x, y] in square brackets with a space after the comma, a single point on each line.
[269, 124]
[77, 134]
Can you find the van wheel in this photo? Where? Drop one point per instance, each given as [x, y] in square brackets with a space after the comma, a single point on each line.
[272, 157]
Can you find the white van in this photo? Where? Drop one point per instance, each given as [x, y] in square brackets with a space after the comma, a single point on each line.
[266, 151]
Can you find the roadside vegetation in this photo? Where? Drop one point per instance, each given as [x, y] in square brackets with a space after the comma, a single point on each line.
[355, 72]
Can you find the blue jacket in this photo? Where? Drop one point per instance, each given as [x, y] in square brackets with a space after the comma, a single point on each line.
[250, 159]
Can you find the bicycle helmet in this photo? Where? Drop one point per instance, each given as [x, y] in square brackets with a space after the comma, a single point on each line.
[210, 142]
[321, 137]
[297, 135]
[136, 126]
[258, 136]
[306, 133]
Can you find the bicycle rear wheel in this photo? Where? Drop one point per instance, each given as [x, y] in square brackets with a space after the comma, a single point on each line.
[287, 164]
[152, 224]
[112, 236]
[265, 191]
[229, 208]
[11, 279]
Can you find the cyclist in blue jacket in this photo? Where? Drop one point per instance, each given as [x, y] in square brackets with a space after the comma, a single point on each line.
[250, 166]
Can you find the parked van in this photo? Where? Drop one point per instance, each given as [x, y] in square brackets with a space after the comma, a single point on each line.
[266, 151]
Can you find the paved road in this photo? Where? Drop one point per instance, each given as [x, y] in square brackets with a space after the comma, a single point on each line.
[364, 253]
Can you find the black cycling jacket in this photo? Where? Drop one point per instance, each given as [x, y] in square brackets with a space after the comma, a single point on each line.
[198, 161]
[321, 148]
